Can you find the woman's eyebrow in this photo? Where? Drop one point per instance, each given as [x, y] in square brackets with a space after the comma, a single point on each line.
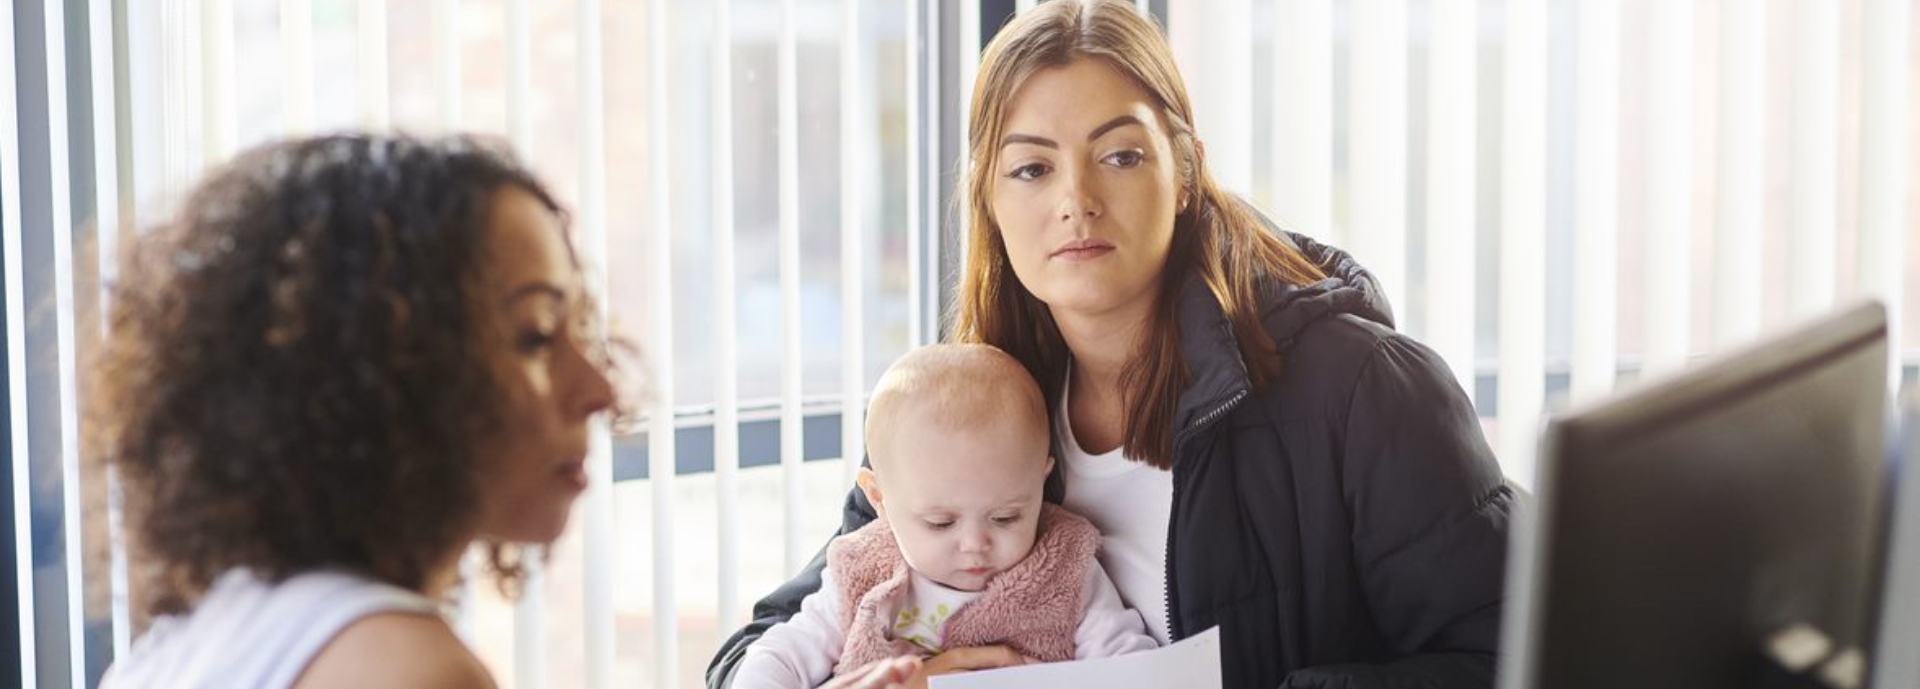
[536, 288]
[1113, 124]
[1012, 139]
[1097, 132]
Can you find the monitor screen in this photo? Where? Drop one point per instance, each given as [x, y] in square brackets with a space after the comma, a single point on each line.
[1679, 526]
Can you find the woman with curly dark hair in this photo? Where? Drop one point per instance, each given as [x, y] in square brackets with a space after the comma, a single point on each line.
[347, 360]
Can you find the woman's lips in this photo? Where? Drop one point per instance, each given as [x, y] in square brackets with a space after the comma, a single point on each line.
[1082, 250]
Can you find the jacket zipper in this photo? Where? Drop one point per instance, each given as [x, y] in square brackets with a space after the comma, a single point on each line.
[1174, 632]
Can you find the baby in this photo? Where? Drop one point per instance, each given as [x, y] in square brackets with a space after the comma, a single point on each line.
[964, 553]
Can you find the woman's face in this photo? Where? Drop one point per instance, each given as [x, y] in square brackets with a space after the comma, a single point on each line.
[537, 463]
[1085, 189]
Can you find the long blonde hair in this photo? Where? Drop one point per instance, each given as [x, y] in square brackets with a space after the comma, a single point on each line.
[1215, 236]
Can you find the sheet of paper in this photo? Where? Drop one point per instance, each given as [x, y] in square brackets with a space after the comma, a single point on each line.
[1191, 663]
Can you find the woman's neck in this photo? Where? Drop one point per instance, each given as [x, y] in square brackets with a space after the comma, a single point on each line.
[446, 574]
[1103, 345]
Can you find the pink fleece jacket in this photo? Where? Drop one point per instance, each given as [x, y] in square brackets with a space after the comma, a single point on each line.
[1033, 608]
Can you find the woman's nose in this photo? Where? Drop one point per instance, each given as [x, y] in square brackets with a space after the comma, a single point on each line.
[592, 390]
[1079, 199]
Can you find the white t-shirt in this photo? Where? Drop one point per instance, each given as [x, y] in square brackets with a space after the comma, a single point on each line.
[801, 652]
[249, 634]
[1130, 502]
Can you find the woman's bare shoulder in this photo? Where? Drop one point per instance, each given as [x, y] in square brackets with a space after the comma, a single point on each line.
[395, 650]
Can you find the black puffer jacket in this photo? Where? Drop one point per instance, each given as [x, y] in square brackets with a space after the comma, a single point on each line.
[1346, 527]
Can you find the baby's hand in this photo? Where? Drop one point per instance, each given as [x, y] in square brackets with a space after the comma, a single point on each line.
[892, 673]
[965, 660]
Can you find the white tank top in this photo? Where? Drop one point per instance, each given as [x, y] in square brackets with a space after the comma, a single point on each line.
[248, 634]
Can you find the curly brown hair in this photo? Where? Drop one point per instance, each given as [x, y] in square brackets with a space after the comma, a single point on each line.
[294, 375]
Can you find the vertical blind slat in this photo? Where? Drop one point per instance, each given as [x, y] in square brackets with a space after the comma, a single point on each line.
[370, 62]
[1813, 155]
[726, 426]
[1883, 164]
[967, 53]
[1303, 119]
[790, 361]
[446, 63]
[1214, 40]
[853, 243]
[1667, 249]
[917, 312]
[296, 64]
[11, 246]
[661, 448]
[597, 549]
[1522, 236]
[216, 55]
[1739, 235]
[1377, 141]
[930, 192]
[1451, 189]
[182, 84]
[519, 86]
[112, 39]
[108, 190]
[1596, 200]
[66, 408]
[530, 624]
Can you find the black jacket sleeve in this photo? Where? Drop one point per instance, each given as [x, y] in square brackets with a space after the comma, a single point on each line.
[781, 605]
[1430, 516]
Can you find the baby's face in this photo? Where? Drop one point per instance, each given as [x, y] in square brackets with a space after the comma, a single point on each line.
[964, 505]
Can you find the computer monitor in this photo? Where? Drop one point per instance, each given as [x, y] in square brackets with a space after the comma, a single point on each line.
[1899, 657]
[1679, 526]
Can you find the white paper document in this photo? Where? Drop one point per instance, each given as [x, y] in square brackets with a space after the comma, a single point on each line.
[1191, 663]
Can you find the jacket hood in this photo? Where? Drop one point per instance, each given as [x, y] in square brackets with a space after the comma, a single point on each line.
[1213, 354]
[1348, 288]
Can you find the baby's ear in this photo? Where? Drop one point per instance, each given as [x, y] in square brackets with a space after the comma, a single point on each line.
[1049, 470]
[869, 483]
